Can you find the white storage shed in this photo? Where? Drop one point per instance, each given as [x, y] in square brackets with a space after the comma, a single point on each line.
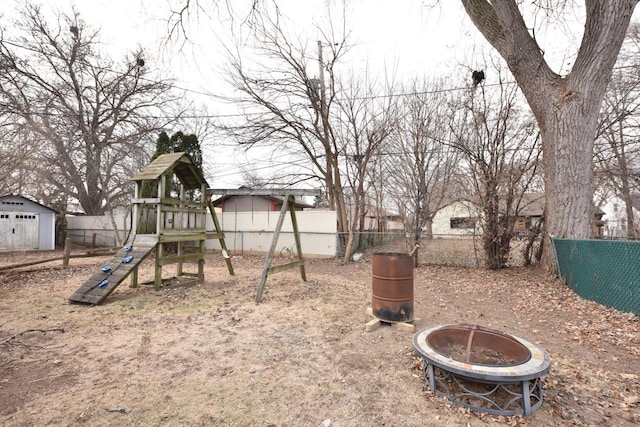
[26, 225]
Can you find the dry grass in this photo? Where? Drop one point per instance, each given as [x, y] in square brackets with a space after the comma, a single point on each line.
[208, 355]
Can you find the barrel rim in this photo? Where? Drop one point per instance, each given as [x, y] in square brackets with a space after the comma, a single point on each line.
[392, 254]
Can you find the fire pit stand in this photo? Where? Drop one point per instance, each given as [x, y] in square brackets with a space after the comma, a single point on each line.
[503, 380]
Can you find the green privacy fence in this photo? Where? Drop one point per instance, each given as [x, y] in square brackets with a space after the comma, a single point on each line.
[605, 271]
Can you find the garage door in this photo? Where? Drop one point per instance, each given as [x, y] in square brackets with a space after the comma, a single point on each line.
[18, 231]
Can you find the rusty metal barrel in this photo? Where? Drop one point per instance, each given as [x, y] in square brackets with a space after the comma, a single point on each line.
[392, 287]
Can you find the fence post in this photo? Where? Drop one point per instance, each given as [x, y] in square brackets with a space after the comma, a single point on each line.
[67, 252]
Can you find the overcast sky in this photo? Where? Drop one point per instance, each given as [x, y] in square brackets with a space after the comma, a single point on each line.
[405, 36]
[413, 37]
[408, 35]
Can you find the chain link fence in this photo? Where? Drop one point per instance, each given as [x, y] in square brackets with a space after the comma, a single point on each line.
[441, 249]
[370, 242]
[604, 271]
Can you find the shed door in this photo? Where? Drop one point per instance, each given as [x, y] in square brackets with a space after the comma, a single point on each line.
[6, 225]
[18, 231]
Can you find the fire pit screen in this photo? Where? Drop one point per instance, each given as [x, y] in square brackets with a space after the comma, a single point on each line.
[482, 369]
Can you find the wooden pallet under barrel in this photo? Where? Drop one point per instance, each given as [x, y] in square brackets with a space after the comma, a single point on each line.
[100, 285]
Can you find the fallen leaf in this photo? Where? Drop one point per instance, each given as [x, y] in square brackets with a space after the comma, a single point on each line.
[632, 400]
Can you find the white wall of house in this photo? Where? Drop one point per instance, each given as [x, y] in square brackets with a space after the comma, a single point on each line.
[615, 215]
[442, 221]
[248, 203]
[395, 225]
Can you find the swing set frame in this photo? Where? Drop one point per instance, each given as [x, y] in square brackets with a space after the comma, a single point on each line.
[288, 204]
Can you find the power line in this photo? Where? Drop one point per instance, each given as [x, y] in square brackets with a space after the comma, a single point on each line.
[238, 115]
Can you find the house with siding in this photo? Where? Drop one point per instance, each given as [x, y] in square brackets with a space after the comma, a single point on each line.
[617, 224]
[251, 203]
[457, 218]
[462, 217]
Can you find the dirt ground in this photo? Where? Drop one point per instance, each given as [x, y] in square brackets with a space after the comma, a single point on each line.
[208, 355]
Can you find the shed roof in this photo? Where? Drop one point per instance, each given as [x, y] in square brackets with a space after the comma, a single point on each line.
[8, 200]
[178, 163]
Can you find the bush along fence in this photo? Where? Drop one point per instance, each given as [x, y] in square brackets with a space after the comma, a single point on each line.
[367, 240]
[604, 271]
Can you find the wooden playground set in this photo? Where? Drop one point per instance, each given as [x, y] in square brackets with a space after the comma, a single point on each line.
[169, 210]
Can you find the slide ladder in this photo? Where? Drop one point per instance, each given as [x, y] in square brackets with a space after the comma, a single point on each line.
[102, 283]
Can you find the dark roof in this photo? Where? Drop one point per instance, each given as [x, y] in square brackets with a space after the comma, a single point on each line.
[178, 163]
[532, 204]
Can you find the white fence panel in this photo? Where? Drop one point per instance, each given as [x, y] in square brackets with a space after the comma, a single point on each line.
[245, 232]
[96, 230]
[252, 232]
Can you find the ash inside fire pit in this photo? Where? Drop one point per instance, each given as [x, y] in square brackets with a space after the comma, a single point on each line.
[479, 356]
[478, 345]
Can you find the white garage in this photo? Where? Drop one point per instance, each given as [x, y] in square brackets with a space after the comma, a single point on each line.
[26, 225]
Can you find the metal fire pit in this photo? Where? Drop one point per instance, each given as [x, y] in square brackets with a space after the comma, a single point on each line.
[482, 369]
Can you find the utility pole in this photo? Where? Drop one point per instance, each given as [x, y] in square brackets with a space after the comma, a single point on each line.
[325, 128]
[324, 117]
[323, 96]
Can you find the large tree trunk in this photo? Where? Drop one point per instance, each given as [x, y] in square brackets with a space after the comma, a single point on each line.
[566, 108]
[568, 170]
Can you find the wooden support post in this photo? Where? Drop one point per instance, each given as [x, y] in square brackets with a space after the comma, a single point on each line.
[223, 245]
[272, 249]
[134, 277]
[201, 262]
[296, 235]
[178, 224]
[201, 221]
[67, 252]
[288, 204]
[157, 281]
[138, 210]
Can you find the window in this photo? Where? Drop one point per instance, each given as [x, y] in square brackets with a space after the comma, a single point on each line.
[25, 217]
[463, 222]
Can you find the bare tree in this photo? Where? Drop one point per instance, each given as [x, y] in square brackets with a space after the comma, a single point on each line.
[365, 122]
[290, 102]
[617, 147]
[89, 116]
[499, 144]
[421, 163]
[566, 107]
[15, 152]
